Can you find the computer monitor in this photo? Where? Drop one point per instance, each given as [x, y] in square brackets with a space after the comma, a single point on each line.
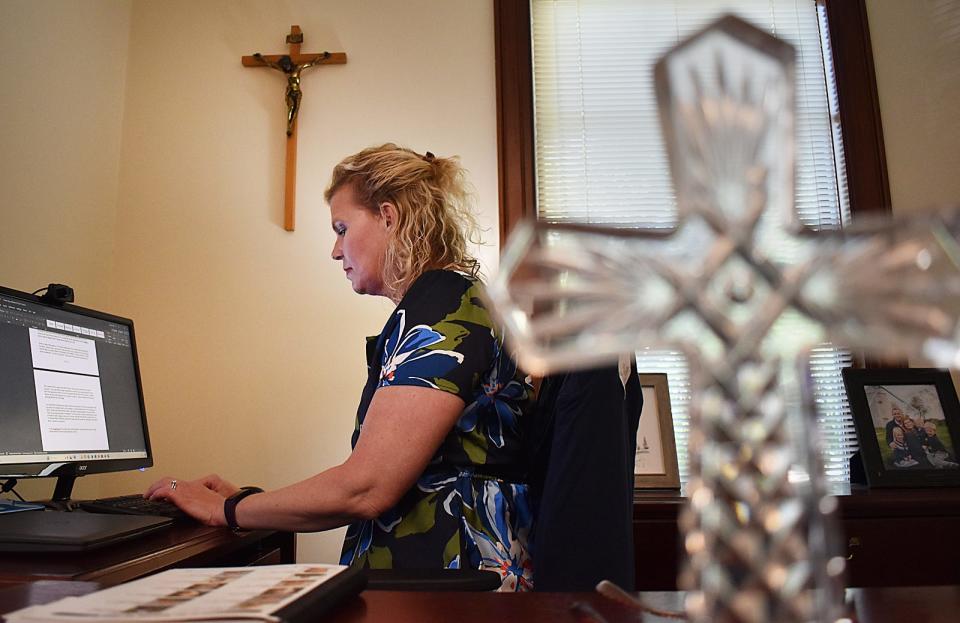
[71, 402]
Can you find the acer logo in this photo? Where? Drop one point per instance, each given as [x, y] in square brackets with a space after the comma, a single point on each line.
[81, 468]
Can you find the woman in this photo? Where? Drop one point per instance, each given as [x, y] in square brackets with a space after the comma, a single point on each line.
[434, 476]
[911, 438]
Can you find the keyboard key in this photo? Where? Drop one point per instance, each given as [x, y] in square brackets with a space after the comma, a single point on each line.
[134, 505]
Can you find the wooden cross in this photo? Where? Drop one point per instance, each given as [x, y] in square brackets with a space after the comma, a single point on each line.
[292, 65]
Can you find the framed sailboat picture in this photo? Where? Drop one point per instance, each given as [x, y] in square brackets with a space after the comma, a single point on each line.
[655, 462]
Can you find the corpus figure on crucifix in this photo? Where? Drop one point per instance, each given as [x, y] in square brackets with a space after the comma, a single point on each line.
[292, 65]
[292, 70]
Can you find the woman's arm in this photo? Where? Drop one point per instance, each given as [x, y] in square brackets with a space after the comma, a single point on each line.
[403, 428]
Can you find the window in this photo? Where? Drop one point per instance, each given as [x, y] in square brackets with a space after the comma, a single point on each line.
[596, 131]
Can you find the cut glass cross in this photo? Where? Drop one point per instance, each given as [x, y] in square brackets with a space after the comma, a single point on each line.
[744, 290]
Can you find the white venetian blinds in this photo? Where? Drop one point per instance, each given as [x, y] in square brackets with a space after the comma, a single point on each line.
[600, 157]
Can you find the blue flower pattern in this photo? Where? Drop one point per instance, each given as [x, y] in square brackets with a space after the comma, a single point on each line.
[500, 543]
[408, 360]
[455, 516]
[498, 404]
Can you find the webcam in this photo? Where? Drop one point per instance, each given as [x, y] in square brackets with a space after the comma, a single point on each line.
[56, 294]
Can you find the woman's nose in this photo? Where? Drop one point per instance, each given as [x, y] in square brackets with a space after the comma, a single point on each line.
[337, 253]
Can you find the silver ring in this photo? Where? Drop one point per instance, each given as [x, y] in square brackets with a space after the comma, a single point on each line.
[173, 484]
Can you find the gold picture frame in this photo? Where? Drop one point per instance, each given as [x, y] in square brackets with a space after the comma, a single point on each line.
[655, 461]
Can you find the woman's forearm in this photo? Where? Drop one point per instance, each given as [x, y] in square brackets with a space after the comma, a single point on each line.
[330, 499]
[402, 431]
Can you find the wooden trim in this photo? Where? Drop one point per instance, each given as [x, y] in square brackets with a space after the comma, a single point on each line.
[866, 162]
[866, 159]
[515, 144]
[290, 182]
[867, 183]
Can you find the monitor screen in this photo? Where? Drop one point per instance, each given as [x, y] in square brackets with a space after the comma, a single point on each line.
[70, 393]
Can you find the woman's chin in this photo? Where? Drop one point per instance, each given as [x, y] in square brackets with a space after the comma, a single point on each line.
[359, 288]
[365, 288]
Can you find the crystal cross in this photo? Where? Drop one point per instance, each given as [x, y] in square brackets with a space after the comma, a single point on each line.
[743, 289]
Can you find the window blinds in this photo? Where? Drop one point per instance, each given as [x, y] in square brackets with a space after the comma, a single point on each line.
[600, 156]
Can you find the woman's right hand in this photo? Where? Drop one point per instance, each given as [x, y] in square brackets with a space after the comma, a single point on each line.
[202, 499]
[219, 485]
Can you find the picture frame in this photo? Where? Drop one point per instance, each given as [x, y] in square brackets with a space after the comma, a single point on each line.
[655, 461]
[908, 425]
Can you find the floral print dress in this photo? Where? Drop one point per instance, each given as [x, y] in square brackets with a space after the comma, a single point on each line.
[470, 508]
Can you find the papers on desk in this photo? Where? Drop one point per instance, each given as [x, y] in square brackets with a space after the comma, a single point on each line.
[13, 506]
[267, 593]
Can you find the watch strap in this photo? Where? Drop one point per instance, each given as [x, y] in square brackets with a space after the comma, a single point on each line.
[230, 505]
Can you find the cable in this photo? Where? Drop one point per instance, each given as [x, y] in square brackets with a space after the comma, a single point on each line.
[36, 292]
[9, 486]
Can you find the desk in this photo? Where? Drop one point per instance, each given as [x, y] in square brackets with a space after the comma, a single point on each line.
[870, 521]
[930, 604]
[185, 544]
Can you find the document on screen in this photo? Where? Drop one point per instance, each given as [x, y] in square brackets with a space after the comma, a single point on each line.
[69, 399]
[65, 353]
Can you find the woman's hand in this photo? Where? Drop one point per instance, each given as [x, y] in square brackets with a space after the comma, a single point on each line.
[218, 484]
[202, 499]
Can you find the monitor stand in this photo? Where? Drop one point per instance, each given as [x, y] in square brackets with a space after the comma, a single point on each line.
[61, 493]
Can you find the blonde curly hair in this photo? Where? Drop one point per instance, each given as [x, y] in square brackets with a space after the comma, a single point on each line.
[435, 213]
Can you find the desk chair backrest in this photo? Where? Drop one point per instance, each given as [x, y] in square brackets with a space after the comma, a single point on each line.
[583, 442]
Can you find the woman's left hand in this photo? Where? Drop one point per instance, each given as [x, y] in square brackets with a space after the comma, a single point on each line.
[194, 497]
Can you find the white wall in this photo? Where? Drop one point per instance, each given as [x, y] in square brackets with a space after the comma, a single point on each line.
[251, 341]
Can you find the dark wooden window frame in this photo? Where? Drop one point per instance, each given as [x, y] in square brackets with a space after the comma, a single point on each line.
[868, 186]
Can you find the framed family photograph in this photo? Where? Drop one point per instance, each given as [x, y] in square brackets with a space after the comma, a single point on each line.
[908, 425]
[655, 463]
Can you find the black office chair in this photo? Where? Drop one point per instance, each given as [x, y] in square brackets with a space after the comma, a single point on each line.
[581, 477]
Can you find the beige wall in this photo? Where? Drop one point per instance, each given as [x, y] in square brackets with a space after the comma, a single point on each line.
[916, 53]
[916, 50]
[251, 341]
[63, 72]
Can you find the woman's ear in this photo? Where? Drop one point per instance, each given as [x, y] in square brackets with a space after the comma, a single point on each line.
[389, 214]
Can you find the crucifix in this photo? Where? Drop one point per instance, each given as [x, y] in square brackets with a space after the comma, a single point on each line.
[292, 65]
[746, 299]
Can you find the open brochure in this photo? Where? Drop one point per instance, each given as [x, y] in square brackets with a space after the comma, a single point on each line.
[271, 593]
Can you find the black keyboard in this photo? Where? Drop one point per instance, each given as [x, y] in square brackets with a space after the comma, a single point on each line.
[134, 504]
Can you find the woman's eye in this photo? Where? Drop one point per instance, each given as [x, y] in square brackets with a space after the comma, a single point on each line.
[341, 230]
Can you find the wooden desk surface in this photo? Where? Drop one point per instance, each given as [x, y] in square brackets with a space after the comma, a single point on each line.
[183, 544]
[929, 604]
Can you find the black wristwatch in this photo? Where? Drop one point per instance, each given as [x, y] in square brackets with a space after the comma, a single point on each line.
[230, 505]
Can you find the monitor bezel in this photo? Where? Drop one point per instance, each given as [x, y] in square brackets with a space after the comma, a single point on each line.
[49, 469]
